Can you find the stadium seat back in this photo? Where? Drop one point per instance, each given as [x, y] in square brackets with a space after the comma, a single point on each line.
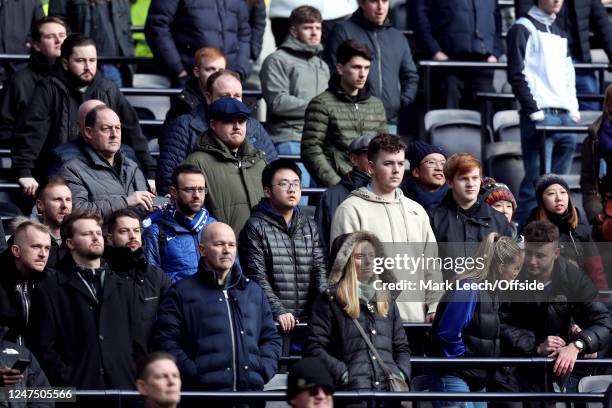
[594, 384]
[455, 130]
[504, 162]
[506, 126]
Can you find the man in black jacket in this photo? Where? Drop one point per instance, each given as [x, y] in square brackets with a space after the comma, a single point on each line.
[577, 19]
[125, 256]
[334, 196]
[564, 319]
[425, 182]
[462, 221]
[81, 319]
[50, 118]
[24, 266]
[280, 248]
[48, 34]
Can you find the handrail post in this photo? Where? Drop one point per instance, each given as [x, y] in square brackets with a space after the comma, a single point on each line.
[542, 134]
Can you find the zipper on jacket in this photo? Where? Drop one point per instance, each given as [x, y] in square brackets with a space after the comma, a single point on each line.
[231, 325]
[379, 57]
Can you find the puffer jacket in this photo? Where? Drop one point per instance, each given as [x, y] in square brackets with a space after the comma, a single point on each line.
[332, 198]
[33, 375]
[592, 186]
[393, 75]
[96, 185]
[333, 120]
[290, 78]
[175, 29]
[182, 136]
[224, 339]
[171, 244]
[334, 338]
[50, 119]
[17, 93]
[287, 261]
[459, 28]
[570, 298]
[183, 103]
[233, 180]
[590, 16]
[462, 231]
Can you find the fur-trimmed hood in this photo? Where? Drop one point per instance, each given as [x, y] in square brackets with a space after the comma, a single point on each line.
[343, 247]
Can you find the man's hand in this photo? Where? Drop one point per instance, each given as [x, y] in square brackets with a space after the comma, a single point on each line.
[566, 357]
[152, 187]
[143, 198]
[550, 345]
[440, 56]
[28, 185]
[9, 377]
[492, 58]
[287, 322]
[430, 317]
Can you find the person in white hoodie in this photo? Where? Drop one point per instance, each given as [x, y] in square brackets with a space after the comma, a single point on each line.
[382, 209]
[542, 76]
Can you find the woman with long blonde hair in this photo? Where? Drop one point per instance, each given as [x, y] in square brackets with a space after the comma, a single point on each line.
[352, 295]
[467, 321]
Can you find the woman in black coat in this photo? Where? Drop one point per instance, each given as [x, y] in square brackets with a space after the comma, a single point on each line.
[333, 336]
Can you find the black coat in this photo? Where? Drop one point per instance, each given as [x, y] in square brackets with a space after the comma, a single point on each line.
[590, 15]
[148, 284]
[17, 94]
[332, 198]
[334, 338]
[78, 341]
[222, 340]
[463, 230]
[570, 298]
[286, 261]
[12, 302]
[184, 102]
[50, 120]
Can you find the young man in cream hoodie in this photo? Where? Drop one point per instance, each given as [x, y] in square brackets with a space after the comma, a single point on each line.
[382, 209]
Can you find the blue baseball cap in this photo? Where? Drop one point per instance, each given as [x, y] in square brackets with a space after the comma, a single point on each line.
[228, 108]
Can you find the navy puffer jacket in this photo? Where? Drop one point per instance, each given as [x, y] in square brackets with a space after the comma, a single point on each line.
[202, 328]
[175, 29]
[182, 137]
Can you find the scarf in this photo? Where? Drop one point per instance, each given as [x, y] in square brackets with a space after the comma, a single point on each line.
[196, 224]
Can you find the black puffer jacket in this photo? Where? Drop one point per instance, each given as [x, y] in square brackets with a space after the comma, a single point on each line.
[332, 198]
[286, 261]
[464, 229]
[184, 102]
[590, 15]
[570, 298]
[50, 120]
[335, 339]
[148, 283]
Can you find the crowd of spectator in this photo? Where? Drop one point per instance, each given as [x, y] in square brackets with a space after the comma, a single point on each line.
[186, 271]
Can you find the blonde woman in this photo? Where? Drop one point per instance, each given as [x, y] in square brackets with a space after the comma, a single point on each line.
[467, 322]
[335, 338]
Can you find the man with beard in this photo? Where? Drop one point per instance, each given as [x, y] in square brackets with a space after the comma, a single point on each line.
[53, 203]
[102, 178]
[23, 267]
[382, 209]
[50, 118]
[48, 34]
[425, 183]
[172, 238]
[80, 320]
[124, 255]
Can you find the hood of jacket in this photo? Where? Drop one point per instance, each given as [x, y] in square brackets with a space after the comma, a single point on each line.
[342, 249]
[294, 46]
[368, 195]
[266, 212]
[211, 144]
[355, 179]
[336, 89]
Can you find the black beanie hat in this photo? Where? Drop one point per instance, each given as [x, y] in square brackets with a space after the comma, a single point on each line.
[547, 180]
[418, 150]
[307, 373]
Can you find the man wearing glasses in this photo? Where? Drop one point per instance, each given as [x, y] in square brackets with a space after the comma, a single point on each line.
[280, 248]
[425, 183]
[173, 234]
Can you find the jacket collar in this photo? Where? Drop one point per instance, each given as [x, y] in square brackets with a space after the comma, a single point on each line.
[426, 198]
[10, 276]
[295, 46]
[355, 179]
[359, 19]
[122, 259]
[479, 213]
[39, 64]
[98, 161]
[265, 211]
[541, 16]
[212, 144]
[209, 277]
[336, 89]
[66, 275]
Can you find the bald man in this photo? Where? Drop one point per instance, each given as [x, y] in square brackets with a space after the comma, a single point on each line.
[24, 265]
[217, 323]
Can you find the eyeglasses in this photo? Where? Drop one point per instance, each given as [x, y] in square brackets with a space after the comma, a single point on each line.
[285, 185]
[433, 163]
[193, 190]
